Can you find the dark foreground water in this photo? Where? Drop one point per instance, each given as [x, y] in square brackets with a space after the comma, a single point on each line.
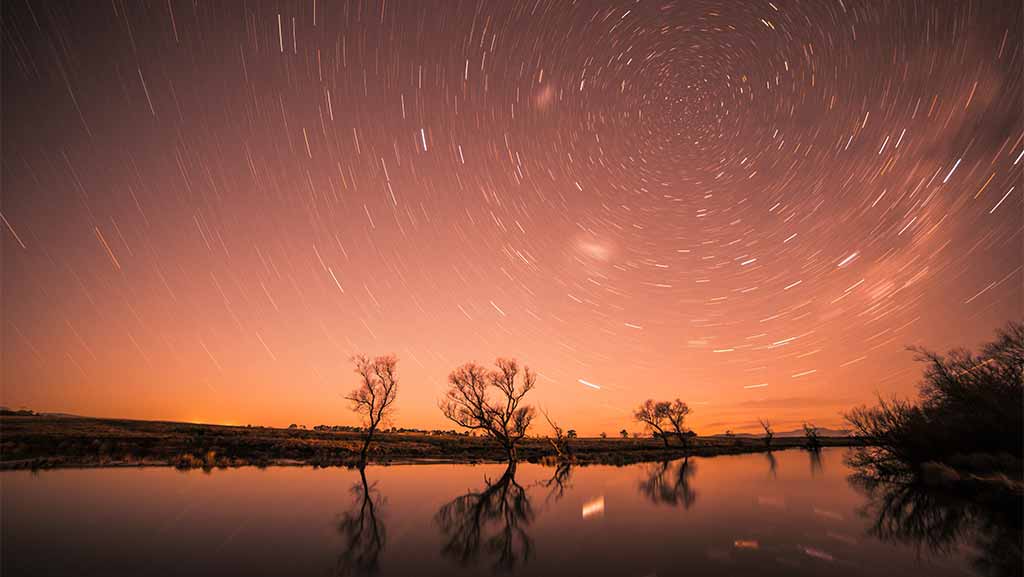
[789, 513]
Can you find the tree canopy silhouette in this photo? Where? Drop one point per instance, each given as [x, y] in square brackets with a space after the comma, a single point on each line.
[469, 403]
[970, 413]
[676, 414]
[373, 398]
[654, 415]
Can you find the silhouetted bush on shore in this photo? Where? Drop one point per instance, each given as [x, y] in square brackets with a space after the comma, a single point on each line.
[970, 415]
[945, 473]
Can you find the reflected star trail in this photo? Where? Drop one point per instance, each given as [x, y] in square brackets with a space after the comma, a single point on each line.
[753, 206]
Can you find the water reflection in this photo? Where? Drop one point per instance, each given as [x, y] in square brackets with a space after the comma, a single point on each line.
[364, 534]
[905, 510]
[558, 483]
[600, 521]
[772, 464]
[817, 466]
[670, 483]
[491, 523]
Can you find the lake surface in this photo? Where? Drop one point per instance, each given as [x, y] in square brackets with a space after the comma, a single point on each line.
[789, 513]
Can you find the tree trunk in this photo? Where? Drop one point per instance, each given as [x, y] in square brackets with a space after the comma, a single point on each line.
[559, 454]
[366, 448]
[664, 438]
[511, 451]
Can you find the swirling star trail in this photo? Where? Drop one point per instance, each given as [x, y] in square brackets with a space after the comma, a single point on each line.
[754, 206]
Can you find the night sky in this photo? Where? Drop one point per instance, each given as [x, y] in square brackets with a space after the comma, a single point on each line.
[209, 206]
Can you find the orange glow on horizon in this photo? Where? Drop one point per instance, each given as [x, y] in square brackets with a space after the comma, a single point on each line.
[205, 220]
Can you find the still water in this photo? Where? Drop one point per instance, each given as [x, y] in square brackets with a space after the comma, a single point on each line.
[789, 513]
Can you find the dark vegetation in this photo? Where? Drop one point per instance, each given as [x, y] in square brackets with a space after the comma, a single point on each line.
[664, 418]
[811, 433]
[560, 443]
[375, 395]
[487, 403]
[500, 416]
[970, 416]
[57, 441]
[947, 470]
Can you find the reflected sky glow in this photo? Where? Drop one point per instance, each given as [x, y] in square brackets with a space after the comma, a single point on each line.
[451, 520]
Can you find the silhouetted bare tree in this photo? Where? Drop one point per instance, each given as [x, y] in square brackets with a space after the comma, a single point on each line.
[468, 403]
[364, 534]
[493, 520]
[654, 415]
[624, 434]
[811, 433]
[560, 443]
[970, 405]
[663, 485]
[374, 396]
[676, 415]
[769, 433]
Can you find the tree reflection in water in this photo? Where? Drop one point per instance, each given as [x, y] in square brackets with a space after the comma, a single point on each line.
[492, 521]
[815, 459]
[558, 483]
[670, 485]
[362, 531]
[772, 464]
[903, 509]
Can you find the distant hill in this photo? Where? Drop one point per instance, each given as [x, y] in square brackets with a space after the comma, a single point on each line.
[16, 412]
[823, 431]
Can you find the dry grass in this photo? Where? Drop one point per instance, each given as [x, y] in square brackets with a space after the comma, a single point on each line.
[45, 441]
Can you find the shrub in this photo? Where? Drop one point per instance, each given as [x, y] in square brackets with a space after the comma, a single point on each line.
[969, 404]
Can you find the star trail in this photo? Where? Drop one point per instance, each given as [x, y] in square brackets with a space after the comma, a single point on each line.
[208, 207]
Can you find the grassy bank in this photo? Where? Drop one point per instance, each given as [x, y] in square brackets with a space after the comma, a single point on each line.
[47, 442]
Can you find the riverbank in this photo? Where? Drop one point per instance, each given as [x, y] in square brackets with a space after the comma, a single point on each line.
[36, 442]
